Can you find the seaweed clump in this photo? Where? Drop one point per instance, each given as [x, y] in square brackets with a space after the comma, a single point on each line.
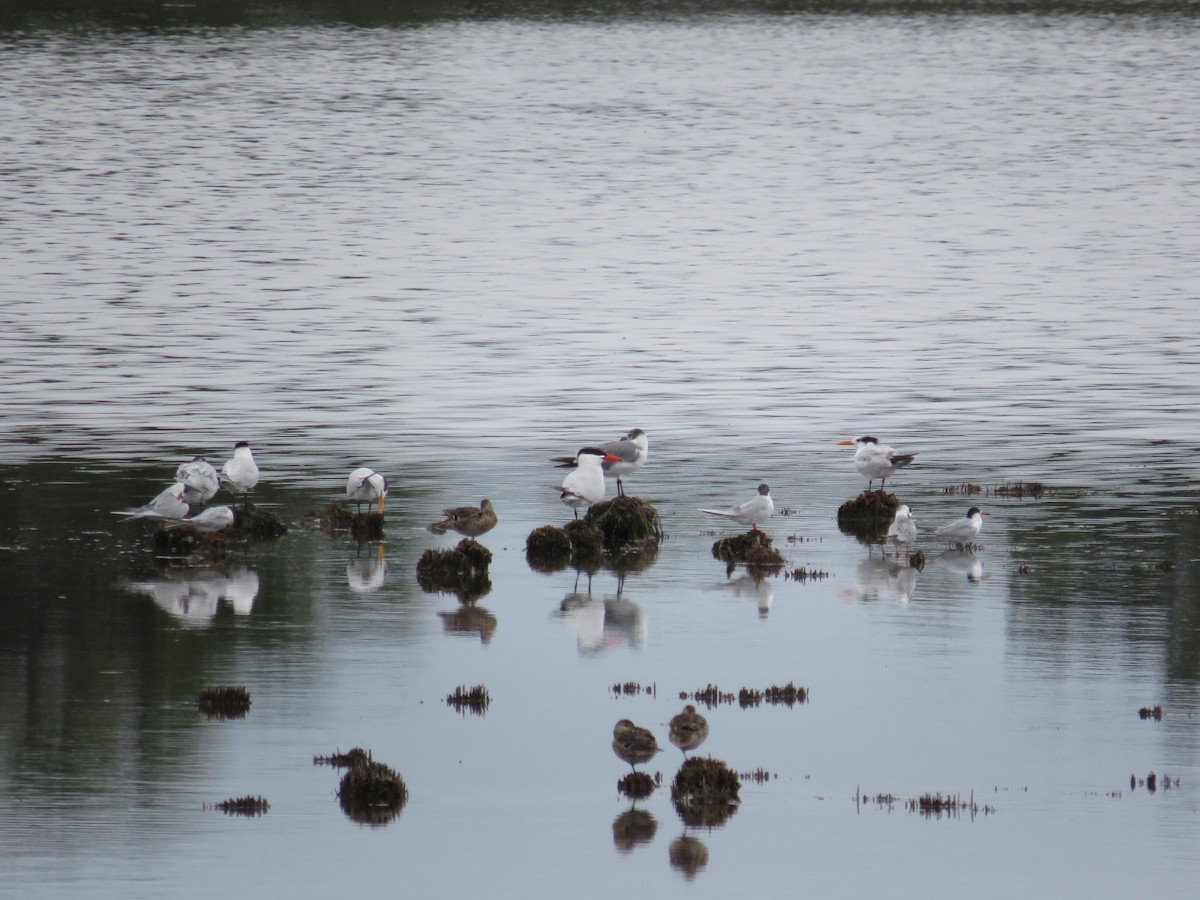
[244, 806]
[868, 516]
[221, 702]
[462, 570]
[476, 699]
[251, 522]
[548, 549]
[356, 756]
[753, 549]
[372, 793]
[624, 521]
[636, 786]
[705, 792]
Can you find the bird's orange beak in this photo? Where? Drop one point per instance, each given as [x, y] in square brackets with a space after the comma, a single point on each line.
[845, 443]
[608, 457]
[381, 504]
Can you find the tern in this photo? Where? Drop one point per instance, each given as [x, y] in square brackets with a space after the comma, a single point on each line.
[755, 510]
[240, 474]
[584, 485]
[366, 486]
[964, 530]
[629, 454]
[874, 460]
[689, 729]
[167, 505]
[633, 744]
[200, 479]
[903, 529]
[213, 519]
[469, 521]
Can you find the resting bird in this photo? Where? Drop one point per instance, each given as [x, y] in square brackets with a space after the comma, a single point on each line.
[903, 529]
[584, 485]
[366, 486]
[689, 729]
[875, 460]
[200, 479]
[167, 505]
[633, 744]
[964, 530]
[630, 454]
[240, 474]
[470, 521]
[213, 519]
[755, 510]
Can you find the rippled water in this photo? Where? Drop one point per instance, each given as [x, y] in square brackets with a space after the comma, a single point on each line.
[453, 251]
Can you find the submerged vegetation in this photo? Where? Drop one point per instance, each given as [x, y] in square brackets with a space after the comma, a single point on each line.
[461, 570]
[221, 702]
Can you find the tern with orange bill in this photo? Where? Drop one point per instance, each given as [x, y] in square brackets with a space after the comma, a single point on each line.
[875, 460]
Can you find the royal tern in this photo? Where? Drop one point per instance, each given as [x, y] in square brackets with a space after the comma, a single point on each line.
[167, 505]
[366, 486]
[689, 729]
[757, 509]
[632, 744]
[200, 479]
[903, 529]
[964, 530]
[584, 485]
[874, 460]
[629, 454]
[240, 474]
[469, 521]
[215, 518]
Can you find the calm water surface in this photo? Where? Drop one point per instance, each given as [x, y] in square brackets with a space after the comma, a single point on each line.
[453, 251]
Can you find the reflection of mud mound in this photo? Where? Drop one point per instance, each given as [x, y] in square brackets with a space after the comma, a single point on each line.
[462, 571]
[366, 526]
[372, 793]
[623, 521]
[868, 516]
[753, 549]
[224, 702]
[705, 792]
[633, 827]
[636, 786]
[688, 855]
[470, 619]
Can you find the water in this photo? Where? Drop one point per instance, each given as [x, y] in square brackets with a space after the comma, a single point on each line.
[454, 250]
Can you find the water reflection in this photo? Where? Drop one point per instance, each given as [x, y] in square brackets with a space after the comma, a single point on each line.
[367, 572]
[470, 619]
[603, 623]
[195, 597]
[962, 563]
[688, 855]
[879, 578]
[633, 828]
[759, 589]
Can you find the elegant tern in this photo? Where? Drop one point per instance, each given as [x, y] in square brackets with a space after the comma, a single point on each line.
[964, 530]
[213, 519]
[469, 521]
[240, 474]
[629, 454]
[167, 505]
[584, 485]
[633, 744]
[875, 460]
[755, 510]
[903, 529]
[200, 479]
[366, 486]
[689, 729]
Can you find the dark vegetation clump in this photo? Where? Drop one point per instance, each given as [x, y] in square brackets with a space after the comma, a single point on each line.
[758, 776]
[356, 756]
[548, 549]
[936, 806]
[636, 786]
[251, 522]
[372, 793]
[632, 688]
[366, 526]
[802, 574]
[868, 516]
[710, 696]
[623, 521]
[917, 560]
[224, 702]
[1151, 712]
[185, 542]
[587, 542]
[967, 487]
[753, 549]
[705, 792]
[787, 695]
[1022, 489]
[244, 806]
[475, 699]
[462, 571]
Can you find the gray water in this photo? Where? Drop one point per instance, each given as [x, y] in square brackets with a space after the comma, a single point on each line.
[453, 250]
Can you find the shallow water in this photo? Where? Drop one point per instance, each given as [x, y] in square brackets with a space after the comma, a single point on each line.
[453, 251]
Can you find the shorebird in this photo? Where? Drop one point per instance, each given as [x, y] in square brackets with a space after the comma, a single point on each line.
[632, 744]
[200, 479]
[755, 510]
[366, 486]
[689, 729]
[964, 530]
[584, 485]
[903, 529]
[630, 454]
[240, 474]
[167, 505]
[213, 519]
[469, 521]
[875, 460]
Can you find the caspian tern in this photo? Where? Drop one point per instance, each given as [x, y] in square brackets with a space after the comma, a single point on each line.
[874, 460]
[689, 729]
[240, 474]
[633, 744]
[903, 529]
[629, 454]
[964, 530]
[213, 519]
[167, 505]
[469, 521]
[200, 479]
[755, 510]
[584, 485]
[366, 486]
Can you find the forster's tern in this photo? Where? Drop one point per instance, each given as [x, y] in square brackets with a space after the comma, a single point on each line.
[874, 460]
[633, 744]
[200, 479]
[689, 729]
[584, 485]
[758, 509]
[469, 521]
[240, 474]
[964, 530]
[167, 505]
[215, 518]
[366, 486]
[629, 454]
[903, 529]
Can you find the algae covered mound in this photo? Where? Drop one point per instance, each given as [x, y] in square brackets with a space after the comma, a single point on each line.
[462, 570]
[372, 793]
[753, 549]
[705, 792]
[868, 516]
[623, 521]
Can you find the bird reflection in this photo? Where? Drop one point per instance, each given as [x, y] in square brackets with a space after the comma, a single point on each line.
[879, 579]
[688, 855]
[470, 619]
[602, 624]
[961, 562]
[760, 590]
[195, 597]
[367, 573]
[633, 827]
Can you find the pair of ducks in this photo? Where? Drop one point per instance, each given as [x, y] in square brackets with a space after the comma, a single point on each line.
[635, 745]
[368, 486]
